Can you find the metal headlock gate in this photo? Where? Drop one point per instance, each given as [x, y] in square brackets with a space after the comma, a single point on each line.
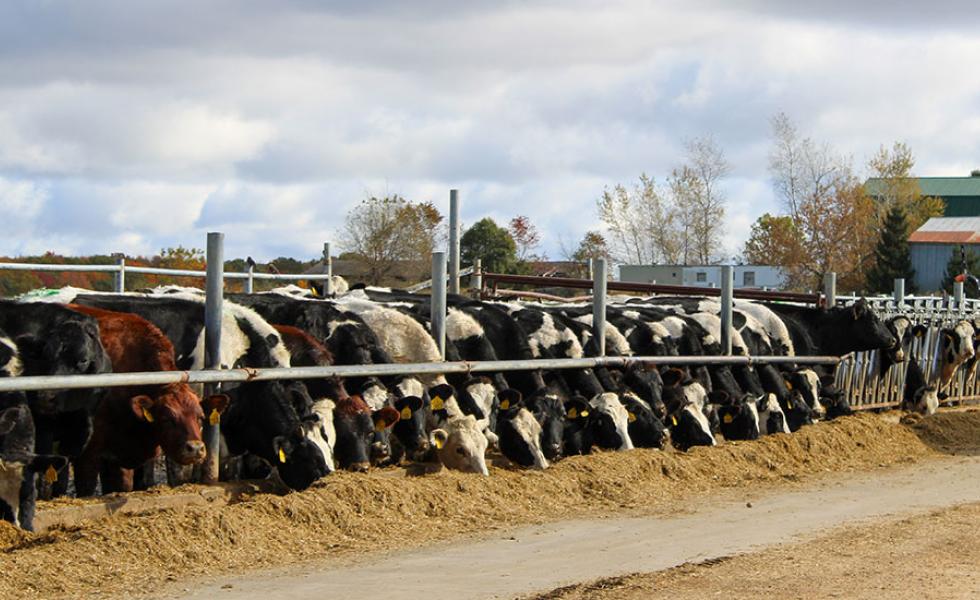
[859, 374]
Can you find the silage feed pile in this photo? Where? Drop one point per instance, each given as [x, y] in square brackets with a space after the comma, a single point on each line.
[350, 513]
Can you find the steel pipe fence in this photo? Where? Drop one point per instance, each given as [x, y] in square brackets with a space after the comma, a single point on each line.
[245, 375]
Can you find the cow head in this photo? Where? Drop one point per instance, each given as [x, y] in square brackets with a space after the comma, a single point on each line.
[362, 433]
[174, 416]
[519, 436]
[577, 435]
[738, 417]
[410, 428]
[611, 422]
[956, 347]
[18, 493]
[925, 400]
[461, 445]
[549, 411]
[856, 328]
[645, 429]
[772, 419]
[807, 383]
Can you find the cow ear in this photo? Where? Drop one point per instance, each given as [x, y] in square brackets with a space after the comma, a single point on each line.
[672, 377]
[438, 438]
[719, 397]
[948, 335]
[443, 390]
[216, 402]
[141, 406]
[859, 308]
[282, 447]
[919, 330]
[272, 340]
[385, 418]
[510, 398]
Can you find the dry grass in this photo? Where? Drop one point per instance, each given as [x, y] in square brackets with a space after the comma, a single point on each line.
[354, 513]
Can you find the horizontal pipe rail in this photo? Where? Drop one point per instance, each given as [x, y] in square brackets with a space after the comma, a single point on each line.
[647, 288]
[156, 271]
[64, 382]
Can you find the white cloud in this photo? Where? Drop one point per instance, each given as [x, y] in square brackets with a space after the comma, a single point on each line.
[132, 128]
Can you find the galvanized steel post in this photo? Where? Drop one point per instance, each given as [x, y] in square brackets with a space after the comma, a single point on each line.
[727, 284]
[212, 346]
[453, 241]
[476, 279]
[328, 264]
[899, 292]
[830, 289]
[250, 282]
[120, 277]
[438, 304]
[599, 305]
[958, 295]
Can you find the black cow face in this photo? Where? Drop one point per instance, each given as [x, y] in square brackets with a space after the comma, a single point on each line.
[577, 431]
[866, 331]
[72, 349]
[519, 436]
[645, 429]
[648, 385]
[738, 417]
[299, 461]
[689, 427]
[797, 412]
[550, 414]
[834, 402]
[410, 437]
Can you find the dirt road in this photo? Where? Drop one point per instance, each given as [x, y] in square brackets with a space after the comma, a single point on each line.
[539, 558]
[933, 555]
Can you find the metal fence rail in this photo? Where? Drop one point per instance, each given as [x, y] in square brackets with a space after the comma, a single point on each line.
[64, 382]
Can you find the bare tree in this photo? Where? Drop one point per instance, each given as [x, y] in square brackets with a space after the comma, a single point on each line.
[827, 205]
[699, 201]
[640, 223]
[526, 237]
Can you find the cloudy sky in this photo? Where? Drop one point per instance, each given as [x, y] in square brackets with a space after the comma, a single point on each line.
[130, 126]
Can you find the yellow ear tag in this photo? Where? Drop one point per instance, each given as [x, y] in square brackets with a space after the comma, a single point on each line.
[789, 385]
[282, 456]
[437, 403]
[573, 413]
[584, 414]
[673, 419]
[51, 475]
[505, 404]
[438, 443]
[147, 416]
[215, 417]
[406, 413]
[632, 417]
[380, 425]
[727, 419]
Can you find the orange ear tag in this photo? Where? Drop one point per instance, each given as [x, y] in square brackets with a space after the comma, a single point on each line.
[147, 416]
[215, 417]
[51, 475]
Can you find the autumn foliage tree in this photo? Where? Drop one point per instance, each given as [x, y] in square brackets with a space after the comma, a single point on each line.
[389, 233]
[526, 237]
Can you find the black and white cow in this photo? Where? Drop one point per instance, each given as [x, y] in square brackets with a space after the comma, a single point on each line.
[610, 421]
[739, 417]
[519, 432]
[645, 428]
[685, 401]
[955, 349]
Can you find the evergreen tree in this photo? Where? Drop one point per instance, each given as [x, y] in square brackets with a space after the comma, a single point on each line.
[492, 244]
[955, 266]
[892, 260]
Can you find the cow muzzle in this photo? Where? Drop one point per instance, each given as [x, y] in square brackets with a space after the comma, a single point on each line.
[193, 452]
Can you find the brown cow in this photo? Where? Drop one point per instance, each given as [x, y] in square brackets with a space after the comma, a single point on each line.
[133, 423]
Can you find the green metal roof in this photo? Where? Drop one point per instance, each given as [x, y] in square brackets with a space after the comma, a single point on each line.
[945, 187]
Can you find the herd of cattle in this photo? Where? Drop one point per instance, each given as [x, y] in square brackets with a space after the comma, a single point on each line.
[301, 430]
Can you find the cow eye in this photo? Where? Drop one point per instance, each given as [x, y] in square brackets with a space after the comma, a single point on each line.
[460, 450]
